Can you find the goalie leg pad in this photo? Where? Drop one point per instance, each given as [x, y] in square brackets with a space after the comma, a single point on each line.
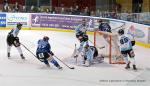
[94, 49]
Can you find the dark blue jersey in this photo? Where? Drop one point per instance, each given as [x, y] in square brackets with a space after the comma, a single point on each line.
[43, 46]
[105, 27]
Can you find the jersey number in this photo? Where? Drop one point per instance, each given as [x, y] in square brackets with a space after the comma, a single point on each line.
[124, 40]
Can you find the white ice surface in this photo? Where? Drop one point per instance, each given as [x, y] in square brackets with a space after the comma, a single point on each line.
[31, 72]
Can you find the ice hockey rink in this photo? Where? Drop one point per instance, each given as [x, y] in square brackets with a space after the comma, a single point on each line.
[31, 72]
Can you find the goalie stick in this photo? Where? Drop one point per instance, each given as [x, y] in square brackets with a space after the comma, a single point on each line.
[97, 46]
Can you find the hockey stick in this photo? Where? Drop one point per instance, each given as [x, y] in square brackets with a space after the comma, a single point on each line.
[64, 63]
[75, 52]
[28, 50]
[97, 46]
[54, 56]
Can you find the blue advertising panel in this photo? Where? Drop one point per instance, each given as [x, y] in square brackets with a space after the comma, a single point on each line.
[2, 20]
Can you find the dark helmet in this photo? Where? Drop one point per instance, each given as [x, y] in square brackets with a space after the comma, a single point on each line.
[45, 38]
[19, 24]
[121, 32]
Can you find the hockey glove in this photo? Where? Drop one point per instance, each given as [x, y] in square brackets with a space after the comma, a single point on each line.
[16, 42]
[51, 53]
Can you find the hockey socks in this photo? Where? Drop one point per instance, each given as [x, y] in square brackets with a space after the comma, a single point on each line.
[53, 61]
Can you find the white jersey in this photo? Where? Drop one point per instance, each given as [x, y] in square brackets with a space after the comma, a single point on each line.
[125, 43]
[15, 32]
[88, 53]
[81, 28]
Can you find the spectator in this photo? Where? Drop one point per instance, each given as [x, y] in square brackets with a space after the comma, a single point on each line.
[53, 10]
[16, 8]
[24, 9]
[98, 14]
[5, 2]
[70, 12]
[129, 17]
[39, 9]
[92, 13]
[86, 12]
[76, 11]
[33, 9]
[6, 8]
[62, 10]
[47, 10]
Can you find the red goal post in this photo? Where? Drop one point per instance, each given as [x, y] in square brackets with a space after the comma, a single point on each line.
[111, 49]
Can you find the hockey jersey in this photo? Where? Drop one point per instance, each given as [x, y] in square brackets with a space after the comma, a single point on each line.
[43, 46]
[14, 32]
[81, 28]
[125, 43]
[105, 27]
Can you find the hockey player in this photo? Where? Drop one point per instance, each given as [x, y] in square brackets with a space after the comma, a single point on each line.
[104, 26]
[44, 53]
[85, 50]
[126, 49]
[13, 39]
[81, 28]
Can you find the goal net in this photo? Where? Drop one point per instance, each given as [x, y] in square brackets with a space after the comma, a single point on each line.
[107, 46]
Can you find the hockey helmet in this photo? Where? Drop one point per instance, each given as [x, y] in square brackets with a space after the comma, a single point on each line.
[121, 32]
[19, 24]
[45, 38]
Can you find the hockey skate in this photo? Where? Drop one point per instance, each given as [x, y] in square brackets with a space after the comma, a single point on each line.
[127, 66]
[59, 67]
[8, 55]
[134, 67]
[22, 56]
[48, 65]
[87, 63]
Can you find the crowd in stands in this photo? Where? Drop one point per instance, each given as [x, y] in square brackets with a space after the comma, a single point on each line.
[115, 13]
